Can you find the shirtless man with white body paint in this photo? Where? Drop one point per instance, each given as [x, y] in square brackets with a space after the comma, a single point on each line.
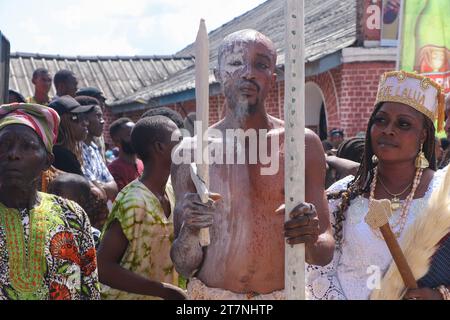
[247, 229]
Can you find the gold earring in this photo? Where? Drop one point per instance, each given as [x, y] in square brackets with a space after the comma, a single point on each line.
[421, 160]
[374, 159]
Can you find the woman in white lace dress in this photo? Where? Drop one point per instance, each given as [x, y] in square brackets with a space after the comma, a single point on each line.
[399, 143]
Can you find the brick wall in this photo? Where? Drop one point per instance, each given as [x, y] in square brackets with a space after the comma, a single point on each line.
[329, 83]
[216, 108]
[109, 118]
[357, 93]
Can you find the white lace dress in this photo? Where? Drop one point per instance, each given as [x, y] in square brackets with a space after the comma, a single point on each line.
[353, 273]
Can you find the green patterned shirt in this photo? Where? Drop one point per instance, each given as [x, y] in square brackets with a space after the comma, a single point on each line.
[150, 236]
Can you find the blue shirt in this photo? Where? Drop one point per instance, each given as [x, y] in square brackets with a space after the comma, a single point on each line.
[439, 272]
[93, 166]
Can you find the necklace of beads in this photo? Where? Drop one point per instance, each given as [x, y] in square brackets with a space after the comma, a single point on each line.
[405, 207]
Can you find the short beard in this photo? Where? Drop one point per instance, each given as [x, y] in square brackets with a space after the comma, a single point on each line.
[242, 109]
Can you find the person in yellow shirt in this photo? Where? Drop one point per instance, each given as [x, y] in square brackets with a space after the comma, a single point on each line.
[42, 82]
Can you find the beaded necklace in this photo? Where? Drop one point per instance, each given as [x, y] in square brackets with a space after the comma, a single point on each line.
[26, 268]
[405, 207]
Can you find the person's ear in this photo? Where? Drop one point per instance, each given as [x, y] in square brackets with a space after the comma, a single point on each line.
[159, 147]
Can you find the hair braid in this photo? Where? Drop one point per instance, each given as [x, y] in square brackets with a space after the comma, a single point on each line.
[66, 138]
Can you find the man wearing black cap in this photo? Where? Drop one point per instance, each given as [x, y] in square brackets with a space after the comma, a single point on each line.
[67, 104]
[92, 92]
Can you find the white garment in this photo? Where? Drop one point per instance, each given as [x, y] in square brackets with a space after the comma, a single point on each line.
[365, 257]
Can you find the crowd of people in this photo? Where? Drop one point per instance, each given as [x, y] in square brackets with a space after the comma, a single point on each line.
[77, 222]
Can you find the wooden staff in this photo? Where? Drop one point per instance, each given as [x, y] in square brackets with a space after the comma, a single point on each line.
[201, 175]
[294, 116]
[378, 218]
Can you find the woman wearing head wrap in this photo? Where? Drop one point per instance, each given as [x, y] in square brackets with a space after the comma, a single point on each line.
[398, 164]
[47, 251]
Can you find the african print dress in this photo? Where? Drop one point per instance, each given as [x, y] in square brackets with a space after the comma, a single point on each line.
[47, 253]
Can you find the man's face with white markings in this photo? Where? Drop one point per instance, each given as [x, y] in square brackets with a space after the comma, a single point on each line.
[246, 71]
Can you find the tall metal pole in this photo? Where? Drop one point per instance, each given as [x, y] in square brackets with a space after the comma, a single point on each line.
[294, 116]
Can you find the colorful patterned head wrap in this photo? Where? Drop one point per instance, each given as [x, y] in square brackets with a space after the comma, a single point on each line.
[43, 120]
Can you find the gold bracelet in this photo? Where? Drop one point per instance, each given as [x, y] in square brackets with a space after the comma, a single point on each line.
[444, 291]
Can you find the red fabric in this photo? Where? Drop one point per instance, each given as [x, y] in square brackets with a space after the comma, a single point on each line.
[124, 172]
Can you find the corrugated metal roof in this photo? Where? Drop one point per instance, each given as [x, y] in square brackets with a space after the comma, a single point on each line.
[117, 76]
[331, 25]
